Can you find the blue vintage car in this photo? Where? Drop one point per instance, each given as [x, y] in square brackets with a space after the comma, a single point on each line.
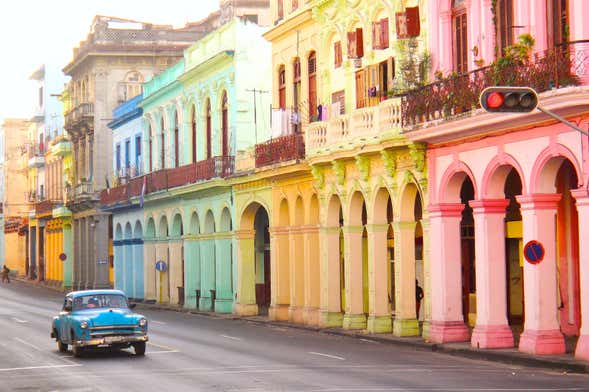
[98, 318]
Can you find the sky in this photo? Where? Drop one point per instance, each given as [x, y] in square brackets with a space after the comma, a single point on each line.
[37, 32]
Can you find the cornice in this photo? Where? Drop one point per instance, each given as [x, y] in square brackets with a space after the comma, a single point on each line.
[288, 25]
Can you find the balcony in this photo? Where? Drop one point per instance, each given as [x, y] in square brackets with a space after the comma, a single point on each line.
[36, 155]
[81, 196]
[79, 115]
[282, 149]
[562, 66]
[61, 147]
[45, 207]
[216, 167]
[365, 125]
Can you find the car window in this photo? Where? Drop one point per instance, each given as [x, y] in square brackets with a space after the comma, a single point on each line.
[100, 301]
[67, 301]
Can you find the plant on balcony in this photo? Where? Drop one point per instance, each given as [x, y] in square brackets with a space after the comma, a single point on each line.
[515, 56]
[414, 67]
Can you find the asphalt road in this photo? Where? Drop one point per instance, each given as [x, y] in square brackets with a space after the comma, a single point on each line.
[200, 353]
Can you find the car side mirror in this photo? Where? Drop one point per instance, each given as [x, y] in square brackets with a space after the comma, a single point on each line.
[132, 306]
[67, 308]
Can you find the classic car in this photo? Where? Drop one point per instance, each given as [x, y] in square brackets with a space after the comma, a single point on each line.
[98, 318]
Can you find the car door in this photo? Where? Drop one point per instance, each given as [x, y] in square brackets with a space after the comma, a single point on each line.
[64, 320]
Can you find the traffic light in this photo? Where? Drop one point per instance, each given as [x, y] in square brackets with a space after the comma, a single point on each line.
[509, 99]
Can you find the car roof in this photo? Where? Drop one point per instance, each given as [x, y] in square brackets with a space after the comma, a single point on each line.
[95, 292]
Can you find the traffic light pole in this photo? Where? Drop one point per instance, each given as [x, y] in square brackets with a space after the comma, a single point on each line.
[562, 120]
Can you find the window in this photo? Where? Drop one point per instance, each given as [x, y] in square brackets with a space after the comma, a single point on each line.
[118, 159]
[355, 44]
[504, 12]
[380, 34]
[130, 87]
[295, 4]
[137, 154]
[224, 126]
[338, 102]
[193, 134]
[209, 128]
[296, 87]
[163, 146]
[280, 9]
[282, 87]
[176, 142]
[41, 97]
[459, 28]
[337, 54]
[557, 20]
[127, 153]
[312, 68]
[149, 130]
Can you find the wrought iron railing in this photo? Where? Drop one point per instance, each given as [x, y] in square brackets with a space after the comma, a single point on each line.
[216, 167]
[561, 66]
[282, 149]
[78, 113]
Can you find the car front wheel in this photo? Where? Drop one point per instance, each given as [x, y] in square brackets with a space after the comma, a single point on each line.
[139, 348]
[61, 346]
[77, 351]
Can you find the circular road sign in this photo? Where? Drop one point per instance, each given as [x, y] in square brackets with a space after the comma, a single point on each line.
[62, 257]
[161, 266]
[534, 252]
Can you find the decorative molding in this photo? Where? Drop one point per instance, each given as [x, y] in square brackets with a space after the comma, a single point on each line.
[363, 165]
[339, 169]
[417, 152]
[389, 160]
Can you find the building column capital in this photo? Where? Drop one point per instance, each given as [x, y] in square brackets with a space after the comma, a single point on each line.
[539, 201]
[445, 210]
[489, 206]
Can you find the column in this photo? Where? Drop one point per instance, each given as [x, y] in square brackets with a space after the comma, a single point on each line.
[246, 276]
[149, 276]
[162, 279]
[192, 270]
[447, 323]
[224, 251]
[138, 284]
[128, 267]
[118, 263]
[175, 269]
[427, 288]
[492, 329]
[279, 272]
[541, 328]
[297, 275]
[99, 256]
[208, 271]
[354, 317]
[312, 272]
[582, 200]
[379, 319]
[69, 261]
[405, 323]
[330, 297]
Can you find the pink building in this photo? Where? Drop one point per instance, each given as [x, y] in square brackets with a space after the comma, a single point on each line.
[498, 181]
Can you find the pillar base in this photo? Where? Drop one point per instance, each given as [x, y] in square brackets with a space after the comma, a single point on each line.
[245, 309]
[542, 342]
[492, 336]
[582, 349]
[379, 324]
[295, 315]
[405, 327]
[278, 312]
[425, 329]
[330, 319]
[354, 321]
[448, 331]
[311, 316]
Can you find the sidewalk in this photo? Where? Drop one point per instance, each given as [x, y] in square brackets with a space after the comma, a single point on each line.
[565, 363]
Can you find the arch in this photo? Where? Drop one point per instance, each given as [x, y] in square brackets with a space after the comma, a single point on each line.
[150, 228]
[283, 217]
[547, 165]
[209, 222]
[313, 210]
[118, 232]
[496, 173]
[163, 227]
[248, 214]
[177, 227]
[138, 231]
[299, 212]
[409, 195]
[356, 209]
[128, 231]
[452, 182]
[194, 227]
[225, 223]
[380, 207]
[334, 212]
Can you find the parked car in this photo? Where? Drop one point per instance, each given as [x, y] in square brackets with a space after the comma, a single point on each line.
[98, 318]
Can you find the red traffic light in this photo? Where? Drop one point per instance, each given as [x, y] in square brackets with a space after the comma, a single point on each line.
[509, 99]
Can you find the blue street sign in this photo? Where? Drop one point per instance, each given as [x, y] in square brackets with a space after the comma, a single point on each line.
[534, 252]
[161, 266]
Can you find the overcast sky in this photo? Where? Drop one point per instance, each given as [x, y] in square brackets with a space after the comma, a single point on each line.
[36, 32]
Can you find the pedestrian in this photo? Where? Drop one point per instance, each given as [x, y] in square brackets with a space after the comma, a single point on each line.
[418, 298]
[5, 277]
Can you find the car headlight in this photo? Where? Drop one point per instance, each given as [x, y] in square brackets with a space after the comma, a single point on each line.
[83, 324]
[142, 322]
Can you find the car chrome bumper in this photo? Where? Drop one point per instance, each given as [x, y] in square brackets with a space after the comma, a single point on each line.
[111, 340]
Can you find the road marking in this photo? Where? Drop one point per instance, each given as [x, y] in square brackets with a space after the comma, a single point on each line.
[369, 341]
[38, 367]
[327, 355]
[27, 344]
[157, 322]
[230, 337]
[163, 352]
[162, 346]
[19, 320]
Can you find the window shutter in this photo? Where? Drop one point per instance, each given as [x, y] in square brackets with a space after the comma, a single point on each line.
[413, 27]
[359, 43]
[337, 54]
[376, 36]
[391, 72]
[352, 45]
[384, 31]
[401, 24]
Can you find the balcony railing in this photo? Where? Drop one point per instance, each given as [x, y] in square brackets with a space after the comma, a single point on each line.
[364, 123]
[84, 111]
[562, 66]
[85, 188]
[282, 149]
[216, 167]
[181, 175]
[44, 207]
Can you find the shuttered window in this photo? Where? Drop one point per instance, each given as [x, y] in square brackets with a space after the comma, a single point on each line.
[460, 44]
[337, 54]
[380, 34]
[355, 44]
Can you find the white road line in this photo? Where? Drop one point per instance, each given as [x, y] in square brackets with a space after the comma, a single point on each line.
[327, 355]
[37, 367]
[369, 341]
[167, 348]
[230, 337]
[27, 344]
[19, 320]
[162, 352]
[157, 322]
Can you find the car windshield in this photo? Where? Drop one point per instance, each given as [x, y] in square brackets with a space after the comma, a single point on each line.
[100, 301]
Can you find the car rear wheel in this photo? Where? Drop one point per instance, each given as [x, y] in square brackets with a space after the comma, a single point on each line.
[61, 346]
[139, 348]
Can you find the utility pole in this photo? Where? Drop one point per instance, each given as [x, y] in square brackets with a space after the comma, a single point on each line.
[255, 91]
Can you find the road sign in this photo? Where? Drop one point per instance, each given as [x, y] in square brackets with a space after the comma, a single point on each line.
[509, 99]
[161, 266]
[62, 257]
[534, 252]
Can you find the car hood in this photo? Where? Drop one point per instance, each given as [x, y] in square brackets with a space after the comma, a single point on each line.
[103, 317]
